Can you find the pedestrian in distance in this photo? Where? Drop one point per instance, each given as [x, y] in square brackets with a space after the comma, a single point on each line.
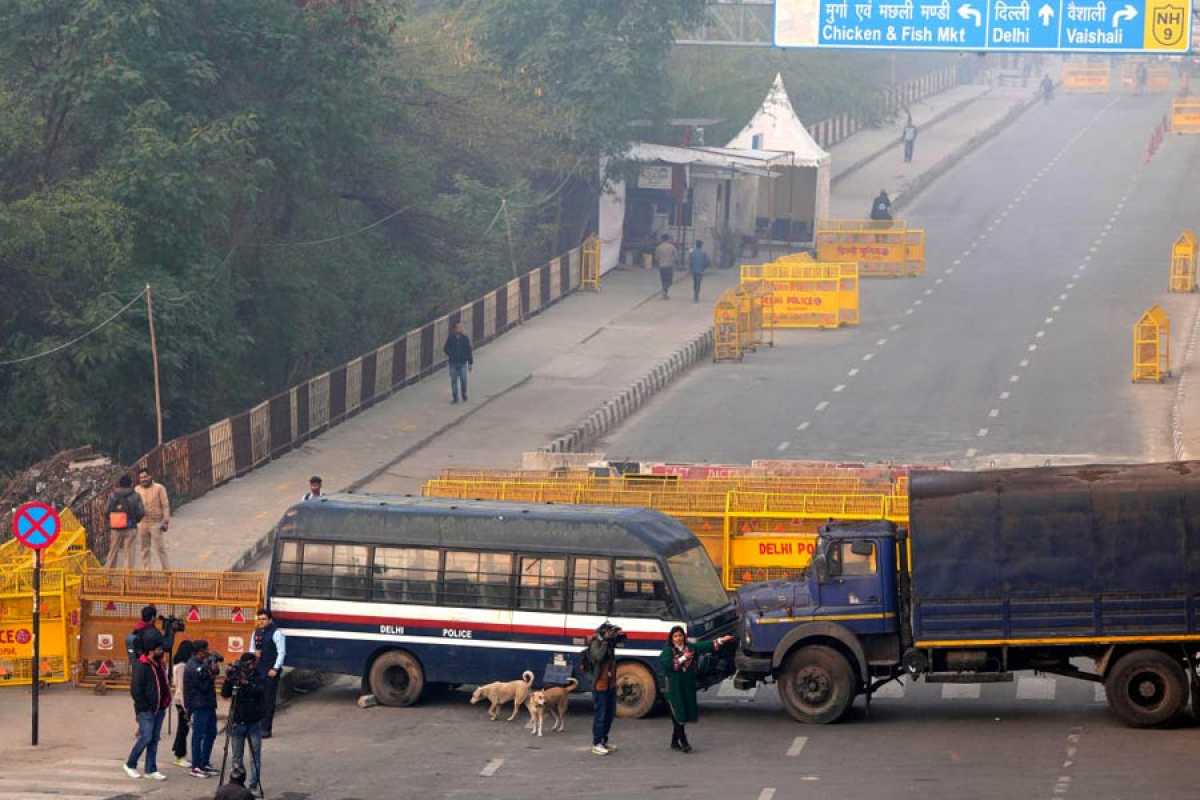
[881, 207]
[178, 665]
[698, 263]
[459, 361]
[124, 513]
[678, 663]
[200, 700]
[909, 137]
[244, 682]
[235, 789]
[270, 645]
[150, 689]
[153, 527]
[314, 489]
[600, 663]
[666, 255]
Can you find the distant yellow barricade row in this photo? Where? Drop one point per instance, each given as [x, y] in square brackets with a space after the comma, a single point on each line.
[882, 249]
[802, 294]
[1158, 77]
[1087, 78]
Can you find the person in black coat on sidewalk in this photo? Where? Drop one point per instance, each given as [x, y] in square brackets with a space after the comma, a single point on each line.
[459, 361]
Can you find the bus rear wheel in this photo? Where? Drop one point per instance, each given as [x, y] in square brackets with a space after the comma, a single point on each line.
[396, 679]
[1147, 688]
[636, 692]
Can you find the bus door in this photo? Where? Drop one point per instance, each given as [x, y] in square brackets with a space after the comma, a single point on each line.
[539, 623]
[476, 616]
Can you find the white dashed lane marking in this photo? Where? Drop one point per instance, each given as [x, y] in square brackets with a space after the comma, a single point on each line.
[971, 451]
[868, 356]
[767, 794]
[803, 426]
[1034, 688]
[960, 691]
[797, 746]
[1005, 395]
[1014, 378]
[821, 406]
[995, 412]
[880, 342]
[982, 433]
[839, 387]
[852, 372]
[783, 446]
[493, 765]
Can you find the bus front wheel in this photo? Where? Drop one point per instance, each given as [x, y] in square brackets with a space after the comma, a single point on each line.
[396, 679]
[636, 691]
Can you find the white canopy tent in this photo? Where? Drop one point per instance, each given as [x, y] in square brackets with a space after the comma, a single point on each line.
[788, 205]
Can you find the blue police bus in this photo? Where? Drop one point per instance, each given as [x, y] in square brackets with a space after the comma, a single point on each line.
[417, 593]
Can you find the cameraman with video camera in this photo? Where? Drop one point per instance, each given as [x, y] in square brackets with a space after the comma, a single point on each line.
[246, 686]
[147, 630]
[600, 663]
[200, 700]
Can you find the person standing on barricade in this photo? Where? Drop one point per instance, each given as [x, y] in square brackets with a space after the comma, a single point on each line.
[153, 527]
[124, 513]
[270, 645]
[244, 684]
[179, 664]
[200, 700]
[151, 692]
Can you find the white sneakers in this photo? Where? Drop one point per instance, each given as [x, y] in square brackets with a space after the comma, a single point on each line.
[599, 750]
[156, 775]
[131, 772]
[182, 762]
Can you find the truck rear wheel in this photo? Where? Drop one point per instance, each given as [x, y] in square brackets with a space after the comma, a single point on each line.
[1146, 688]
[816, 685]
[636, 692]
[396, 679]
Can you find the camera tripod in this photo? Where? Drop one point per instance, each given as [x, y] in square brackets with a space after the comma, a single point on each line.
[255, 753]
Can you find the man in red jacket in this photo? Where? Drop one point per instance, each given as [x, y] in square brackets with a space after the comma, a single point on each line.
[151, 692]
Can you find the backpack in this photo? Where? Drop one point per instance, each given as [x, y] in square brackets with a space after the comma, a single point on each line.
[118, 518]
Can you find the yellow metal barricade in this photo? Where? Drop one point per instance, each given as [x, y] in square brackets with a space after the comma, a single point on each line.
[727, 343]
[1158, 77]
[881, 249]
[1183, 263]
[589, 264]
[804, 295]
[1087, 78]
[1185, 115]
[216, 606]
[59, 624]
[1152, 346]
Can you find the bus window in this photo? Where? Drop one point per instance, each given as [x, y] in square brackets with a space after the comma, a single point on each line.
[696, 581]
[287, 570]
[591, 590]
[333, 571]
[542, 584]
[639, 589]
[405, 574]
[477, 580]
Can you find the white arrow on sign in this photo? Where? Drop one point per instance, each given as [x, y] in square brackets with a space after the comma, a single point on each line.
[1046, 12]
[967, 12]
[1128, 12]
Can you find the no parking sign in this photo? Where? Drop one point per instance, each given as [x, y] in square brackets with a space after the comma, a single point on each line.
[36, 525]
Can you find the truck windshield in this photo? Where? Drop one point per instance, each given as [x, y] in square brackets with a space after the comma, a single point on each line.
[700, 589]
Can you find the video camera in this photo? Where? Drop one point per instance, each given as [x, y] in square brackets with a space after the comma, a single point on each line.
[238, 673]
[611, 633]
[212, 660]
[171, 625]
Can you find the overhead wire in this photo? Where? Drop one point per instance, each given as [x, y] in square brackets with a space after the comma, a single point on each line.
[77, 339]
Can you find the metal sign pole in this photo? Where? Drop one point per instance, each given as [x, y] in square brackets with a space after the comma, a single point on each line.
[37, 636]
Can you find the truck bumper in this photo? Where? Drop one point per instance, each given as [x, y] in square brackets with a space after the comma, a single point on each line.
[750, 670]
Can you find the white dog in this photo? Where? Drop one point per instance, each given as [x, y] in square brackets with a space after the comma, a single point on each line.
[501, 692]
[554, 699]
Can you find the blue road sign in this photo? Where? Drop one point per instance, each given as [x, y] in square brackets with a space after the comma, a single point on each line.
[1086, 26]
[36, 525]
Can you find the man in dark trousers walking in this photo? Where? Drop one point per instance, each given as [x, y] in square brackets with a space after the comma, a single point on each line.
[460, 360]
[270, 645]
[666, 255]
[698, 263]
[910, 139]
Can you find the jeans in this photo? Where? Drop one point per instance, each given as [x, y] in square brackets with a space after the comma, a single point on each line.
[204, 733]
[238, 735]
[149, 727]
[605, 703]
[179, 747]
[666, 276]
[458, 377]
[908, 150]
[696, 278]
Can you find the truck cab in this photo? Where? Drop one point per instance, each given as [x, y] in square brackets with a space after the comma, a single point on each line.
[824, 639]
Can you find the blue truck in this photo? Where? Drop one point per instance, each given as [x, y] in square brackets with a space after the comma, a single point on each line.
[1089, 572]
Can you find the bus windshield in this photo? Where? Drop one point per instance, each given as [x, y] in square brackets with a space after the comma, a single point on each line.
[700, 589]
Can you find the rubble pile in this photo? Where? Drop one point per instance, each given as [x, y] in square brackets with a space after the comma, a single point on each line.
[72, 478]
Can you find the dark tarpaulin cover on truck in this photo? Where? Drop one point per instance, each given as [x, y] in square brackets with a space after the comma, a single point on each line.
[1073, 536]
[437, 522]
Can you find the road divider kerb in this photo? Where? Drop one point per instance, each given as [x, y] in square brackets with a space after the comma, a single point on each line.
[616, 410]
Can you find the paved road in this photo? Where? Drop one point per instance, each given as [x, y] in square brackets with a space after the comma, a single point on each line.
[1044, 247]
[1029, 739]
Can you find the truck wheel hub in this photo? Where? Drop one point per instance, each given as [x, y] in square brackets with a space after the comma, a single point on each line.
[813, 685]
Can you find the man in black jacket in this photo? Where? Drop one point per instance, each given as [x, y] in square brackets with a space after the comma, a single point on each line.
[200, 700]
[125, 511]
[459, 361]
[244, 683]
[151, 691]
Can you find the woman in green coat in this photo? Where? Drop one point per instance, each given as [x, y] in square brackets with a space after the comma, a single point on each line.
[678, 662]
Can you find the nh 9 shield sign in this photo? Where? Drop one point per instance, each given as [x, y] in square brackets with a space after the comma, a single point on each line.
[1085, 26]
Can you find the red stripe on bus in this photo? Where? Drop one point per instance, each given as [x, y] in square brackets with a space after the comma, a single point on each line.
[540, 630]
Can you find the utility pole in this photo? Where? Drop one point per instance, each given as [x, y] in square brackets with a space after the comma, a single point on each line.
[154, 357]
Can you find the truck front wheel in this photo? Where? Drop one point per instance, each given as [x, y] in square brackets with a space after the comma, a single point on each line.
[1146, 688]
[816, 685]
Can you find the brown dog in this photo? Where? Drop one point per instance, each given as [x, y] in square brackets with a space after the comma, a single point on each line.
[554, 699]
[501, 692]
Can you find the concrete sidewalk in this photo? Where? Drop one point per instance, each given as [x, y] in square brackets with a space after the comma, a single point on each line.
[532, 384]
